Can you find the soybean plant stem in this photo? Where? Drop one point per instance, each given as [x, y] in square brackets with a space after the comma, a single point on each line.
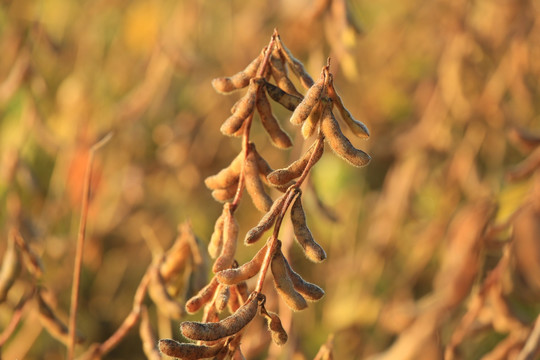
[80, 245]
[292, 192]
[247, 128]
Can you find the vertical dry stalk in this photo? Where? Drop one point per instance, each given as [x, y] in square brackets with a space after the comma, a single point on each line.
[80, 246]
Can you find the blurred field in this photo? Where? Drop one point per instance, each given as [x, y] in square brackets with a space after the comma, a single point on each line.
[449, 90]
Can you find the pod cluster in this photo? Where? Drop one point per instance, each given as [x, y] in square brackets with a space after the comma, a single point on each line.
[266, 78]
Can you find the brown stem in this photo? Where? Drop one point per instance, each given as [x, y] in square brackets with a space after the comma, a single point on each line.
[293, 191]
[273, 241]
[241, 179]
[247, 128]
[98, 350]
[15, 319]
[311, 162]
[132, 317]
[80, 245]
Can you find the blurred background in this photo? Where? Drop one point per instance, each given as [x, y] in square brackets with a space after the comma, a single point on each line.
[449, 90]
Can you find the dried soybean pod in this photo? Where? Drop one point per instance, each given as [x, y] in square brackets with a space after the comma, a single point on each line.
[262, 165]
[296, 66]
[188, 351]
[312, 122]
[157, 289]
[230, 238]
[222, 296]
[11, 266]
[279, 73]
[234, 300]
[227, 176]
[226, 327]
[278, 333]
[244, 272]
[277, 135]
[283, 176]
[358, 128]
[339, 143]
[308, 290]
[312, 249]
[311, 99]
[226, 194]
[176, 257]
[283, 283]
[254, 184]
[242, 110]
[266, 221]
[202, 297]
[216, 240]
[288, 101]
[239, 80]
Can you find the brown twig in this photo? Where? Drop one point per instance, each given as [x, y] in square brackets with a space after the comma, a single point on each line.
[132, 317]
[98, 350]
[80, 245]
[15, 318]
[292, 193]
[247, 128]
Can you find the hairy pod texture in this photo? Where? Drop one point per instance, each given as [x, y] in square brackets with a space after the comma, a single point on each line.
[313, 120]
[278, 333]
[266, 221]
[279, 73]
[242, 110]
[308, 290]
[288, 101]
[176, 257]
[262, 165]
[293, 171]
[295, 64]
[279, 137]
[227, 176]
[226, 327]
[254, 185]
[230, 239]
[216, 239]
[226, 194]
[222, 297]
[244, 272]
[310, 100]
[358, 128]
[339, 143]
[202, 297]
[283, 282]
[188, 351]
[239, 80]
[312, 249]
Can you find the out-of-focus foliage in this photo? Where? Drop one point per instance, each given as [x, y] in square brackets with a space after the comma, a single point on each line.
[438, 244]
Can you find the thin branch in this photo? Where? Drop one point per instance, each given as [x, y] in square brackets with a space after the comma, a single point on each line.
[293, 191]
[247, 128]
[80, 246]
[15, 319]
